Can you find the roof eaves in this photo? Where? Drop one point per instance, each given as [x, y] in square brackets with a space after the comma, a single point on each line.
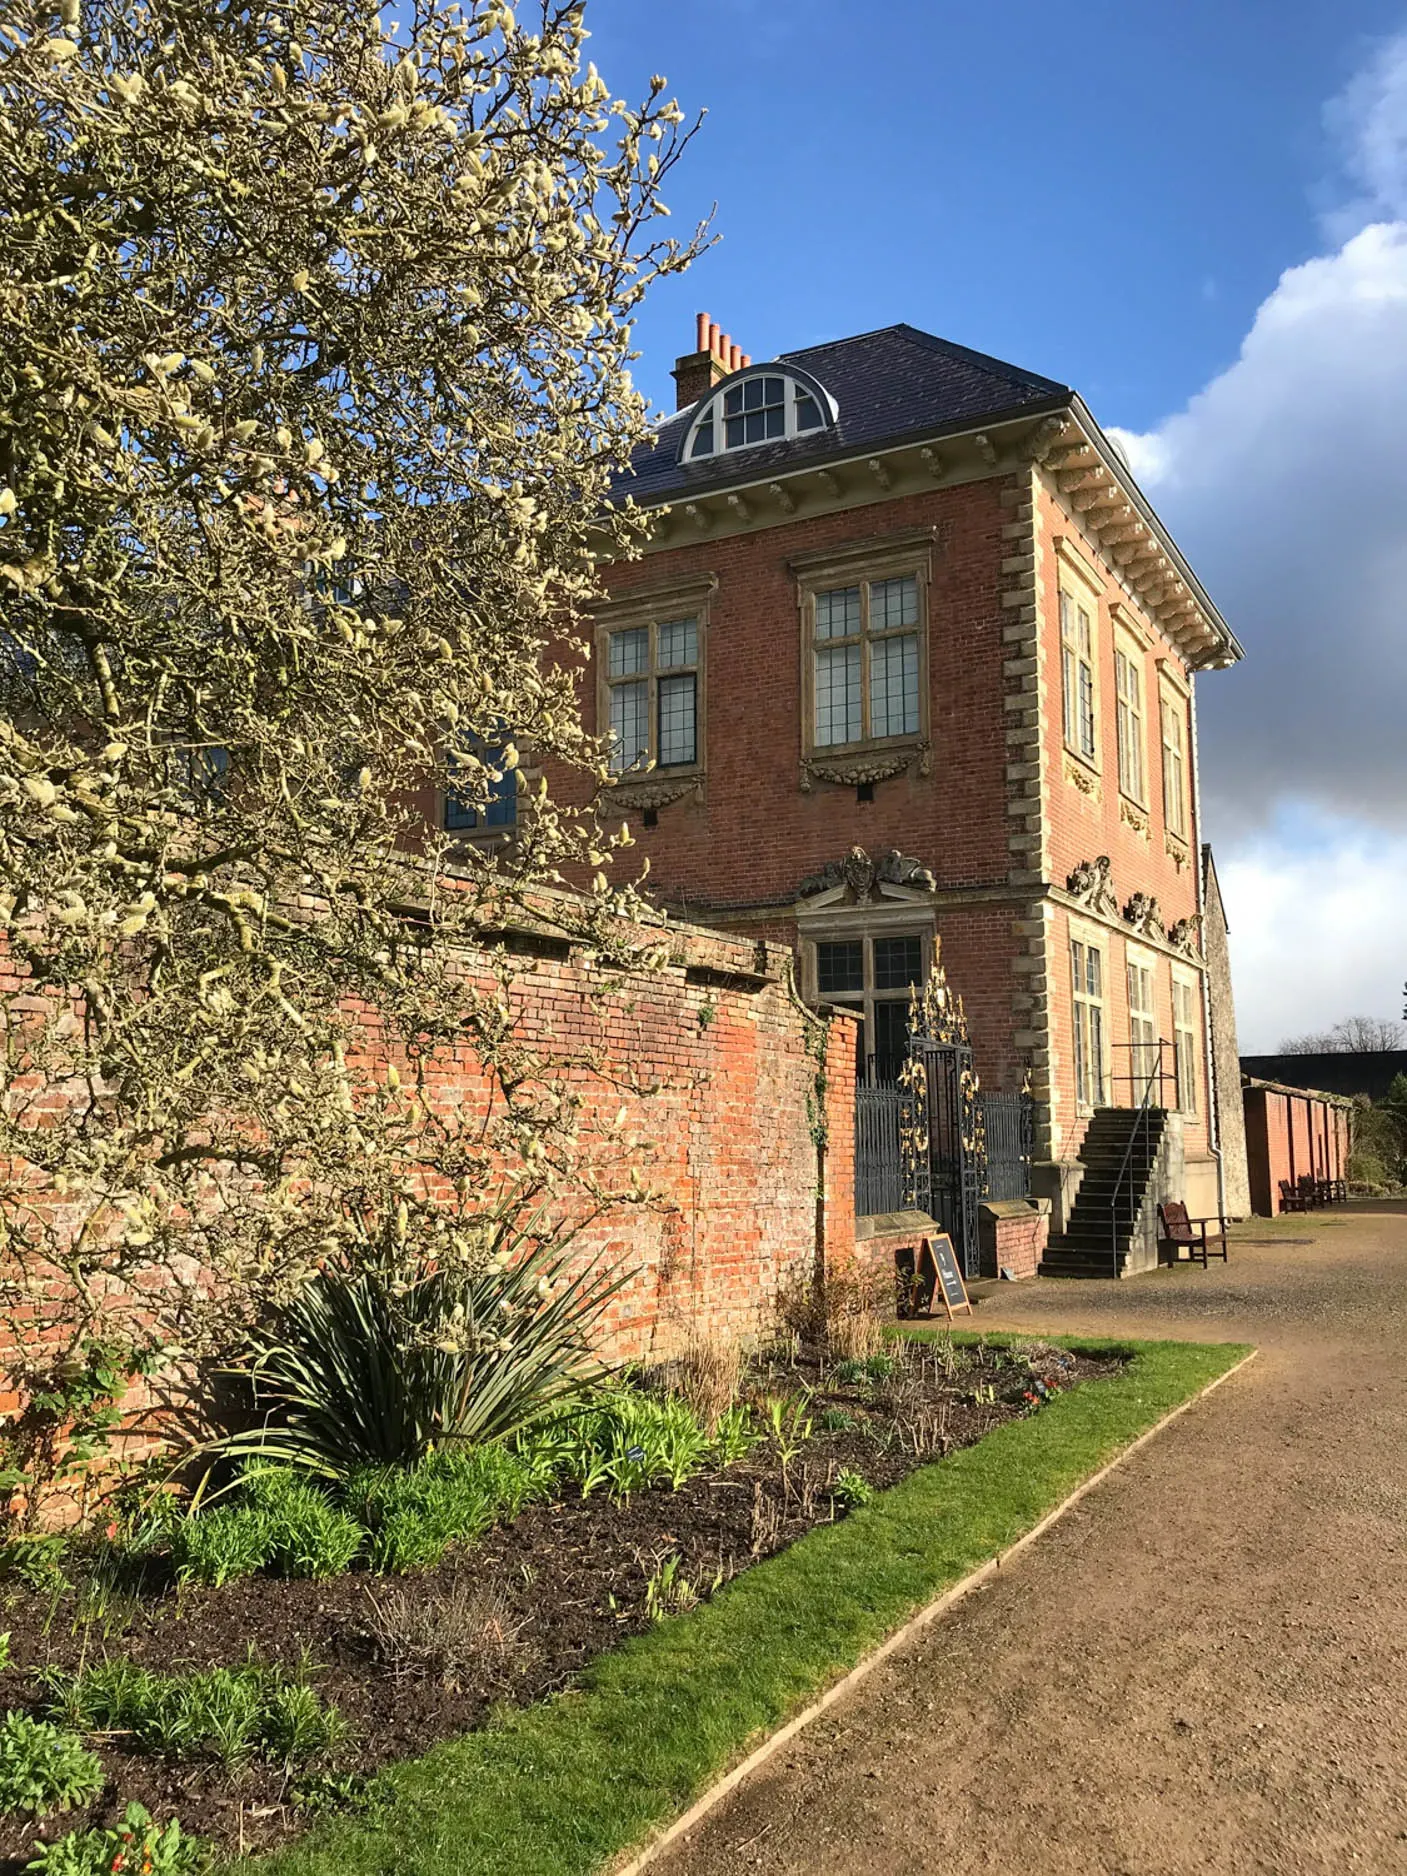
[1119, 469]
[860, 452]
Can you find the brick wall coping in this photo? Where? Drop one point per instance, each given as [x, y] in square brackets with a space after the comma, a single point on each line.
[894, 1224]
[1015, 1208]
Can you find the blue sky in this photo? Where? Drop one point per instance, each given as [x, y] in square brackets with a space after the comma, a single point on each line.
[1104, 194]
[1196, 214]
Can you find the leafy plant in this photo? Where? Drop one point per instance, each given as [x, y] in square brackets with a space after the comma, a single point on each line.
[851, 1489]
[837, 1420]
[790, 1424]
[628, 1440]
[415, 1513]
[364, 1367]
[734, 1435]
[220, 1545]
[865, 1370]
[305, 1533]
[225, 1714]
[67, 1416]
[138, 1846]
[43, 1768]
[368, 1796]
[37, 1559]
[668, 1591]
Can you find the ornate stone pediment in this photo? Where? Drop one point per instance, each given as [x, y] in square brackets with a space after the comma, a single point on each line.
[1091, 884]
[1183, 935]
[1145, 915]
[860, 876]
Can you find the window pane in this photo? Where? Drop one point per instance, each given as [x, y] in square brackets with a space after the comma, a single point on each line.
[733, 400]
[890, 1040]
[500, 809]
[629, 725]
[677, 643]
[735, 432]
[776, 421]
[894, 686]
[838, 695]
[756, 421]
[838, 613]
[628, 652]
[775, 390]
[752, 394]
[898, 962]
[703, 440]
[1094, 981]
[840, 967]
[893, 603]
[678, 706]
[808, 416]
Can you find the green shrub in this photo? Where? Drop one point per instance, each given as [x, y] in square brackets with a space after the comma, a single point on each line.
[43, 1768]
[626, 1442]
[220, 1545]
[851, 1489]
[364, 1368]
[37, 1559]
[415, 1513]
[306, 1534]
[225, 1714]
[138, 1844]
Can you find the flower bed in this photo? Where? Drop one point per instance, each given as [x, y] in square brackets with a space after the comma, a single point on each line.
[601, 1525]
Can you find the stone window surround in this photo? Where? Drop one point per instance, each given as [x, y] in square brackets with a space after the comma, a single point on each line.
[1188, 978]
[1095, 937]
[1134, 648]
[1174, 691]
[885, 557]
[689, 597]
[841, 924]
[1078, 580]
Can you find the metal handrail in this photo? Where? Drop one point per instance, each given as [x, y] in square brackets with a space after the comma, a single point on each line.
[1145, 1109]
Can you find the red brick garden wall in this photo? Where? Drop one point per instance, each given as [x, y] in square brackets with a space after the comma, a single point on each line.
[1288, 1135]
[730, 1114]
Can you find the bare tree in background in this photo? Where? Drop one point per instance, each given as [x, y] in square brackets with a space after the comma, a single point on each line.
[1356, 1035]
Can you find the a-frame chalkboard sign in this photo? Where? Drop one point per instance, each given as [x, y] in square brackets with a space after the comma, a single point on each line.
[947, 1276]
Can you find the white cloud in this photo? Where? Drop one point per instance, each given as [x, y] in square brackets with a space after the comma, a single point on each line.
[1285, 481]
[1317, 934]
[1368, 120]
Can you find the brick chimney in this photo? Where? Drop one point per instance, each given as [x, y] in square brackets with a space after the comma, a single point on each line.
[713, 358]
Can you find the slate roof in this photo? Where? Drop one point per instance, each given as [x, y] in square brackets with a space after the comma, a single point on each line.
[891, 384]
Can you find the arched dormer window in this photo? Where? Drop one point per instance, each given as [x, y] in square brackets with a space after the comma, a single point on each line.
[764, 404]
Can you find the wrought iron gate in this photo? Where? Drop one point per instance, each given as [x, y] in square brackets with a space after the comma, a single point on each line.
[946, 1147]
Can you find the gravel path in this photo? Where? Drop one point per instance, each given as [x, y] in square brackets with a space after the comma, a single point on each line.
[1203, 1667]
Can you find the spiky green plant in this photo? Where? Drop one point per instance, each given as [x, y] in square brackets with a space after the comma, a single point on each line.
[373, 1367]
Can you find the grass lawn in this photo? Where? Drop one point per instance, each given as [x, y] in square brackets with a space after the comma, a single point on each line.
[561, 1788]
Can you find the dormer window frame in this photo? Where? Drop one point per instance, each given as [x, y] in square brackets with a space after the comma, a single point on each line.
[713, 412]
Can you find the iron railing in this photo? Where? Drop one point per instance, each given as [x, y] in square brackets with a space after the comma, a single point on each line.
[1147, 1072]
[1009, 1132]
[881, 1181]
[879, 1155]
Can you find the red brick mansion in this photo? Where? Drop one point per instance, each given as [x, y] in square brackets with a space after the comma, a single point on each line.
[910, 664]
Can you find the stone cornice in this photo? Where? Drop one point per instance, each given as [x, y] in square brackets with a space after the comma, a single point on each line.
[1079, 465]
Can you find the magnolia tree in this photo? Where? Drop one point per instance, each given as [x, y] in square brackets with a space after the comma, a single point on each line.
[314, 375]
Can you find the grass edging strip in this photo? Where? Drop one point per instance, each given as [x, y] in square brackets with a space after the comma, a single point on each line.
[570, 1786]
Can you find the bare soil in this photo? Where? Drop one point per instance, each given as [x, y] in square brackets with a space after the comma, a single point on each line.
[566, 1581]
[1202, 1669]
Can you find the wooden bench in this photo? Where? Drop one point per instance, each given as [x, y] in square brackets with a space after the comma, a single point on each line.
[1292, 1199]
[1177, 1232]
